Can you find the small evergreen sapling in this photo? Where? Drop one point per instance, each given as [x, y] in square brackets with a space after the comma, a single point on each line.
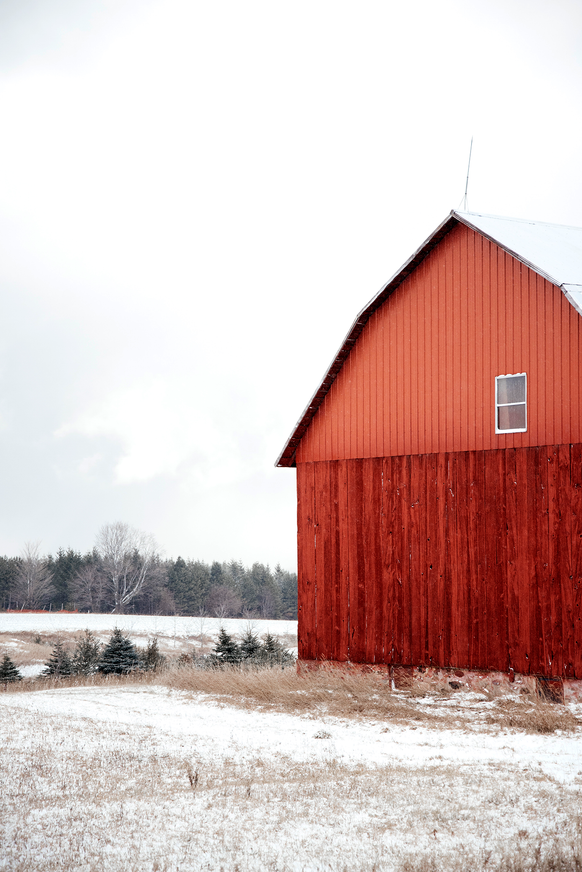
[226, 650]
[250, 647]
[8, 671]
[86, 655]
[59, 663]
[151, 659]
[274, 653]
[119, 656]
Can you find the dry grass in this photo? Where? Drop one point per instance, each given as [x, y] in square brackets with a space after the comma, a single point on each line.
[347, 695]
[533, 715]
[560, 855]
[342, 695]
[27, 648]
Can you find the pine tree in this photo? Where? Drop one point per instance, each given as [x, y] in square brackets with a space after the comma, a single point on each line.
[250, 646]
[59, 663]
[274, 653]
[86, 655]
[226, 650]
[119, 656]
[151, 658]
[8, 671]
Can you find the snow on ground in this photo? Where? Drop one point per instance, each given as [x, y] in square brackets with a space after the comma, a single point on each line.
[147, 778]
[169, 626]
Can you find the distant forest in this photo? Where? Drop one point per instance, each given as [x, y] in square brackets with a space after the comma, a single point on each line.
[123, 574]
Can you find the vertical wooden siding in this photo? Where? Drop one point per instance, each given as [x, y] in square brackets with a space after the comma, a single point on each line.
[421, 376]
[468, 559]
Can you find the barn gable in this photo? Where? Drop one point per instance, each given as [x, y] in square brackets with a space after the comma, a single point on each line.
[482, 297]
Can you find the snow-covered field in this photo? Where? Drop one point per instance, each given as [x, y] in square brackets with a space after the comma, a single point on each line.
[148, 777]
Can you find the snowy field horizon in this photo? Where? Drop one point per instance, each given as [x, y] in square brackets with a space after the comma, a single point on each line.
[176, 635]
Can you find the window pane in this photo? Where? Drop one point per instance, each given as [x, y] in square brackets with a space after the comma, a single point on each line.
[511, 389]
[511, 417]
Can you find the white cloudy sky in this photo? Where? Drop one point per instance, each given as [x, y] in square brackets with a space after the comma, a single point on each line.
[196, 198]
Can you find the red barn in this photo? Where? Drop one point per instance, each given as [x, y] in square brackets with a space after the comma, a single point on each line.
[439, 463]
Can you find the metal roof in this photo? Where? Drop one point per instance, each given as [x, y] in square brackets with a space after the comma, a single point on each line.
[552, 250]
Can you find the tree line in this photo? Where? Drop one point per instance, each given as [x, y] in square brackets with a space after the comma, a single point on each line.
[124, 573]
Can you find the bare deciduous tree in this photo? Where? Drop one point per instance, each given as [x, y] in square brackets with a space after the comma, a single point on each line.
[89, 588]
[223, 602]
[128, 561]
[34, 582]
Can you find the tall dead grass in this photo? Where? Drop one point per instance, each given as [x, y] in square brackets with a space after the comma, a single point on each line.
[558, 855]
[534, 714]
[352, 695]
[337, 694]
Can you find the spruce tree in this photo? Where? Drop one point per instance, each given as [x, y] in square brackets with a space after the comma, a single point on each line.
[274, 653]
[59, 663]
[151, 658]
[119, 656]
[226, 650]
[8, 671]
[250, 647]
[86, 655]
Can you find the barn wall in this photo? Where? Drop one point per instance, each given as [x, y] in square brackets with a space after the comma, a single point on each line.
[469, 559]
[421, 376]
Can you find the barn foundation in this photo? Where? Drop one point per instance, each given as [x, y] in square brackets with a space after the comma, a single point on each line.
[409, 677]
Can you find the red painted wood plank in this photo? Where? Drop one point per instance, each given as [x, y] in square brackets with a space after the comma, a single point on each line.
[423, 556]
[545, 456]
[306, 558]
[405, 594]
[575, 624]
[355, 563]
[553, 592]
[462, 493]
[474, 535]
[432, 580]
[389, 561]
[563, 586]
[524, 569]
[452, 608]
[323, 561]
[537, 523]
[414, 509]
[499, 654]
[512, 558]
[441, 607]
[343, 618]
[486, 533]
[334, 613]
[372, 501]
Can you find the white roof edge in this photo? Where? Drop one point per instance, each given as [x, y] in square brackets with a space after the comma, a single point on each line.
[553, 251]
[574, 296]
[506, 247]
[460, 213]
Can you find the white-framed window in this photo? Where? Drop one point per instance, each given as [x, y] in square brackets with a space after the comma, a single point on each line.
[511, 403]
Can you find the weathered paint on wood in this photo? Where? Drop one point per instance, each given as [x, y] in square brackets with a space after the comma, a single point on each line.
[420, 378]
[466, 559]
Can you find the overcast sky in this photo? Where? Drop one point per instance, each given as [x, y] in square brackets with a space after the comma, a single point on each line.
[197, 198]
